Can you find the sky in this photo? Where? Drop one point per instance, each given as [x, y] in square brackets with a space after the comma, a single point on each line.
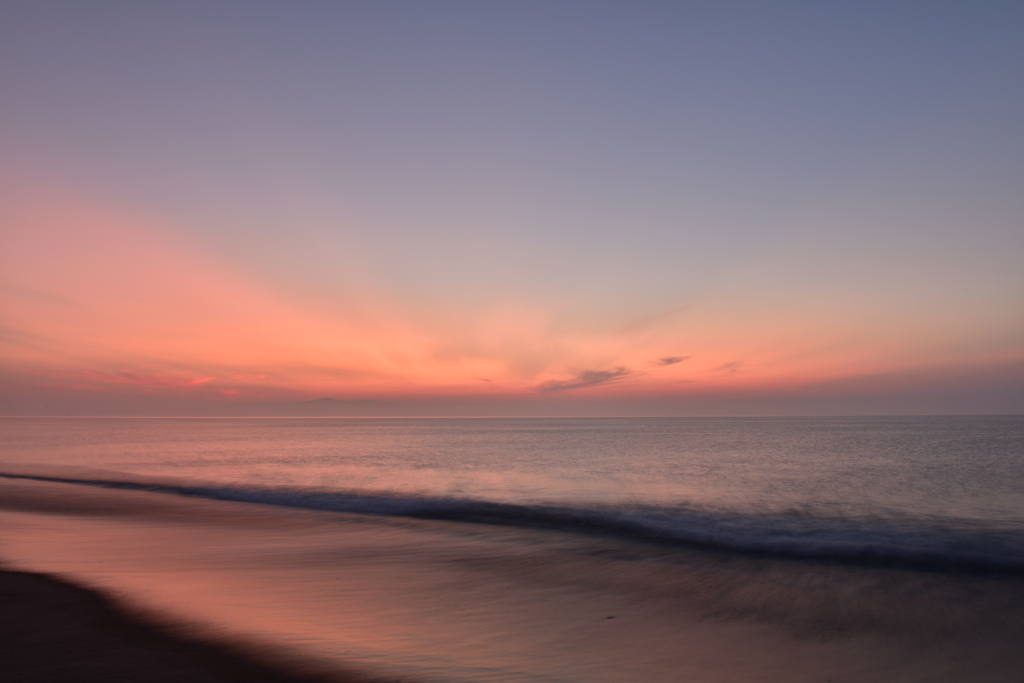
[512, 208]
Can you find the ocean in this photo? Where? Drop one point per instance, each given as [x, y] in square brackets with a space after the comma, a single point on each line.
[548, 549]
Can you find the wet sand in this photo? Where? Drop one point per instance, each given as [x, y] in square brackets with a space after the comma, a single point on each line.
[53, 631]
[442, 602]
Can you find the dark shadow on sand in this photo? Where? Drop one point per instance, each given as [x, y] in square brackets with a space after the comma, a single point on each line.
[52, 631]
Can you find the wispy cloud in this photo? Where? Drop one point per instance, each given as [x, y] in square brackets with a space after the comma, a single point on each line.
[35, 295]
[586, 378]
[166, 380]
[652, 320]
[9, 335]
[671, 360]
[727, 367]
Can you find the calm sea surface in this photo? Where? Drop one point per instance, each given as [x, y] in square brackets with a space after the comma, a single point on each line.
[851, 548]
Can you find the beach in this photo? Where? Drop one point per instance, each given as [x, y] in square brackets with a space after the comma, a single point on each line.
[284, 544]
[439, 602]
[53, 631]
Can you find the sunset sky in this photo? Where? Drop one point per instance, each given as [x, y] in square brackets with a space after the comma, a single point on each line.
[512, 208]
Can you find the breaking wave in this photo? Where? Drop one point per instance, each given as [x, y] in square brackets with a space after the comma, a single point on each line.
[936, 545]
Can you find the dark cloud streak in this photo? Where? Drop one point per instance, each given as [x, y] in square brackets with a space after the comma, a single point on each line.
[586, 378]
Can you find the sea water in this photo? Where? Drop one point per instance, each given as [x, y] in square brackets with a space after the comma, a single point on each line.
[600, 549]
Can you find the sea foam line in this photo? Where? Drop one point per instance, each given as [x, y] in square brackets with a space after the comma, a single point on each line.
[778, 535]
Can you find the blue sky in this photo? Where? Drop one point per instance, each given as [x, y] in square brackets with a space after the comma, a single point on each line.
[840, 176]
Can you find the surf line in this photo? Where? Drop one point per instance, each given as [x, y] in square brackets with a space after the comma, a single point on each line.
[732, 534]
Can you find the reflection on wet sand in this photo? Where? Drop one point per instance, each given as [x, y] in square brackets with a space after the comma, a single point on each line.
[441, 601]
[52, 631]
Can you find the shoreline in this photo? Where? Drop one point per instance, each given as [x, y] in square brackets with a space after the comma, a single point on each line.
[55, 631]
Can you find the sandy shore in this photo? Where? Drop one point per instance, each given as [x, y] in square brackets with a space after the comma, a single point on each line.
[52, 631]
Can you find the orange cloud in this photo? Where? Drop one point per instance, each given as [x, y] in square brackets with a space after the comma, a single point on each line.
[100, 300]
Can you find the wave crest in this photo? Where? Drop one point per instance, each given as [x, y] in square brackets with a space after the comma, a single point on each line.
[912, 544]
